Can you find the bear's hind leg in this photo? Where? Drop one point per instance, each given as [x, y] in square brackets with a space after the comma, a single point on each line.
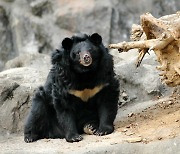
[37, 123]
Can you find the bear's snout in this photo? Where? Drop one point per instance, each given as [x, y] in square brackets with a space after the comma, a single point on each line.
[85, 58]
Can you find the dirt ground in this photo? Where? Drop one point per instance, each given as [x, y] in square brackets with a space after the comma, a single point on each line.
[141, 128]
[158, 122]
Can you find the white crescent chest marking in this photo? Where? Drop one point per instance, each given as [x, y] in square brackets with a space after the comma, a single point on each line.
[85, 94]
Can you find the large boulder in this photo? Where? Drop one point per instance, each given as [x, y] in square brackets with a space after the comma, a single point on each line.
[138, 84]
[17, 85]
[16, 90]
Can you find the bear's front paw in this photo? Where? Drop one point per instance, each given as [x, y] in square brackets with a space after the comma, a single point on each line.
[90, 129]
[30, 138]
[74, 138]
[104, 130]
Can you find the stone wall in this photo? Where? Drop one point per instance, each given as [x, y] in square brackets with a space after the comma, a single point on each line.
[32, 26]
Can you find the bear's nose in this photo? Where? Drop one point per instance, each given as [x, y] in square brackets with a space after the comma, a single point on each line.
[85, 58]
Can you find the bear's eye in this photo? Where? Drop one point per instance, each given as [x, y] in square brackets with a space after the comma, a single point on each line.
[73, 55]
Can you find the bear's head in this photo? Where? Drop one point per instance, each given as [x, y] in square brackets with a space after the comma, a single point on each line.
[84, 51]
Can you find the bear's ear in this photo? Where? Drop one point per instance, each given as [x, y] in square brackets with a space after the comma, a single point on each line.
[96, 38]
[67, 43]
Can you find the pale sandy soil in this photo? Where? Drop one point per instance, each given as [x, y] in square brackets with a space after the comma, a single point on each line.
[141, 128]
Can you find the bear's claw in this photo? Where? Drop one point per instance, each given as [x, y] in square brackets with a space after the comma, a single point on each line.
[29, 139]
[75, 138]
[90, 129]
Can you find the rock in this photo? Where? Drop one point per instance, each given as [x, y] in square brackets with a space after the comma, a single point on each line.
[78, 16]
[133, 140]
[15, 105]
[40, 7]
[125, 14]
[1, 65]
[38, 26]
[35, 60]
[8, 0]
[24, 37]
[7, 92]
[16, 90]
[142, 83]
[35, 34]
[6, 43]
[17, 87]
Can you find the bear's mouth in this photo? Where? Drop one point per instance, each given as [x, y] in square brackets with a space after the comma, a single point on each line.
[85, 58]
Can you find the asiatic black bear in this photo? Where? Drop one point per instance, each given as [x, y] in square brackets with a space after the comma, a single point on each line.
[80, 94]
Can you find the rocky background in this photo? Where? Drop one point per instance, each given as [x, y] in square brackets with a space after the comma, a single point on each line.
[31, 29]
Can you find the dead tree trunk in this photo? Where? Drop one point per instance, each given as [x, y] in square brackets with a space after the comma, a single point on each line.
[161, 36]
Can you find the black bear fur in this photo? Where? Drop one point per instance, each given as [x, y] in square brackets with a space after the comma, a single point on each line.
[75, 99]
